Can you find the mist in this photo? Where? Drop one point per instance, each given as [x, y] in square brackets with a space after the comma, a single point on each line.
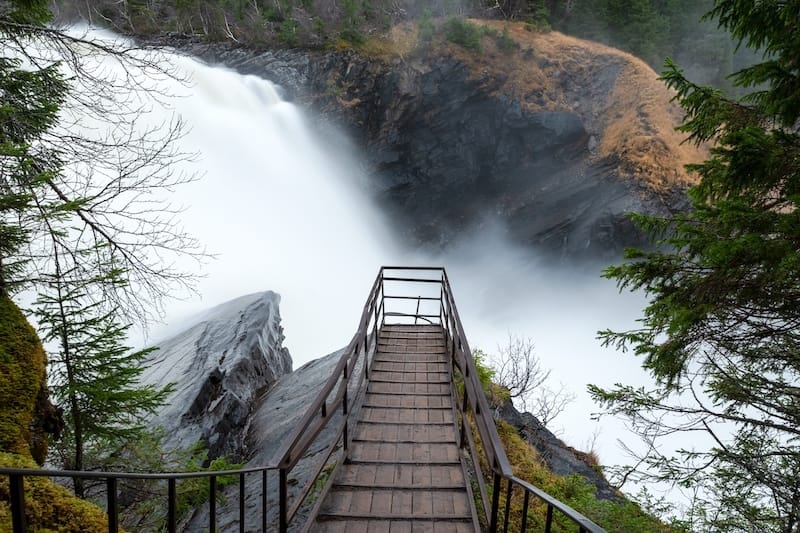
[281, 209]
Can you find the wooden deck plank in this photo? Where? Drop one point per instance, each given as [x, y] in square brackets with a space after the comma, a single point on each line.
[404, 472]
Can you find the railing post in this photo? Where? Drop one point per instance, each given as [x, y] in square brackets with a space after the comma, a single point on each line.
[283, 504]
[112, 505]
[464, 428]
[212, 504]
[172, 505]
[496, 488]
[548, 523]
[264, 500]
[17, 489]
[525, 502]
[241, 502]
[345, 411]
[508, 506]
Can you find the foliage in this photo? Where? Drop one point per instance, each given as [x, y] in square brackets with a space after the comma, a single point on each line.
[351, 22]
[719, 335]
[93, 375]
[515, 373]
[48, 506]
[620, 516]
[464, 33]
[144, 509]
[426, 27]
[288, 33]
[495, 393]
[31, 99]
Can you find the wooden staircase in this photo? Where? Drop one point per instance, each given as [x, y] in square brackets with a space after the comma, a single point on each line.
[405, 471]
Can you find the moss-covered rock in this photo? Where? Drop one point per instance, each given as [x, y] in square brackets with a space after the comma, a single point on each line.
[49, 507]
[22, 380]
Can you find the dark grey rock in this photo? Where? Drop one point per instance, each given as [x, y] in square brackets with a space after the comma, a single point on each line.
[448, 153]
[561, 459]
[219, 366]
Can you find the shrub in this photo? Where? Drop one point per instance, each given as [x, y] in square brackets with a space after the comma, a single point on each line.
[425, 27]
[463, 33]
[504, 40]
[288, 33]
[48, 507]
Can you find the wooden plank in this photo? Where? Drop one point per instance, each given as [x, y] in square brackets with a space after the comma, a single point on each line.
[404, 472]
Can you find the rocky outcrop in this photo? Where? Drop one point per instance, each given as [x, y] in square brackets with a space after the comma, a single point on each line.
[555, 140]
[235, 390]
[219, 366]
[561, 459]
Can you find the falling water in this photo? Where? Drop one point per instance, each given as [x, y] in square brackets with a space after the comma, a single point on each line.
[281, 211]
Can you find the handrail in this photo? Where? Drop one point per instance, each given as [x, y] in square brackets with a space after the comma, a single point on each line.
[475, 401]
[334, 398]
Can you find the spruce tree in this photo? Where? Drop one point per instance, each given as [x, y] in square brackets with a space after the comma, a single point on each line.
[94, 376]
[721, 333]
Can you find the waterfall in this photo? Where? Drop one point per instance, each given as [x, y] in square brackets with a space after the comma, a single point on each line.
[281, 209]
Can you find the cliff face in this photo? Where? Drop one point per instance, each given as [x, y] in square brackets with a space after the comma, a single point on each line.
[235, 390]
[219, 366]
[555, 138]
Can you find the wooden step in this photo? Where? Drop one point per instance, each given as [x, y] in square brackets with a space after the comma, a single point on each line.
[405, 452]
[401, 476]
[364, 503]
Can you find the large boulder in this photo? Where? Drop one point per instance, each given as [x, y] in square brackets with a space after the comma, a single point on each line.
[219, 366]
[26, 414]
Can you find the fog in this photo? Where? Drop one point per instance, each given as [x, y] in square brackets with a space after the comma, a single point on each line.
[282, 212]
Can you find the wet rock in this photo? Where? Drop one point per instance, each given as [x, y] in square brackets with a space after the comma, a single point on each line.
[449, 149]
[219, 366]
[561, 459]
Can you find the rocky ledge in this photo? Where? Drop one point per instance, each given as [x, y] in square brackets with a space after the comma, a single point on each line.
[555, 140]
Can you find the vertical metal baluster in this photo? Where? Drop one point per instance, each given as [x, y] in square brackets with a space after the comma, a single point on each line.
[525, 511]
[172, 505]
[264, 500]
[495, 502]
[112, 505]
[508, 506]
[17, 490]
[282, 521]
[241, 502]
[212, 504]
[548, 525]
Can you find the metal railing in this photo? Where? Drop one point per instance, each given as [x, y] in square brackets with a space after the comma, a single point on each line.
[336, 401]
[474, 403]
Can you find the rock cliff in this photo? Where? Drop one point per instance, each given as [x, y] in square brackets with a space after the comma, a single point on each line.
[235, 390]
[561, 459]
[554, 138]
[219, 366]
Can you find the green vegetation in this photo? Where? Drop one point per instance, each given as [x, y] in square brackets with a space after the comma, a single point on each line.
[650, 29]
[145, 508]
[49, 507]
[22, 378]
[622, 516]
[92, 374]
[720, 332]
[464, 33]
[426, 27]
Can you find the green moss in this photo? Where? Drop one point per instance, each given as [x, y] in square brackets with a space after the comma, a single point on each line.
[22, 378]
[49, 507]
[621, 516]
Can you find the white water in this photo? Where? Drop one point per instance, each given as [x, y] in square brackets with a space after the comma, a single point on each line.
[281, 212]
